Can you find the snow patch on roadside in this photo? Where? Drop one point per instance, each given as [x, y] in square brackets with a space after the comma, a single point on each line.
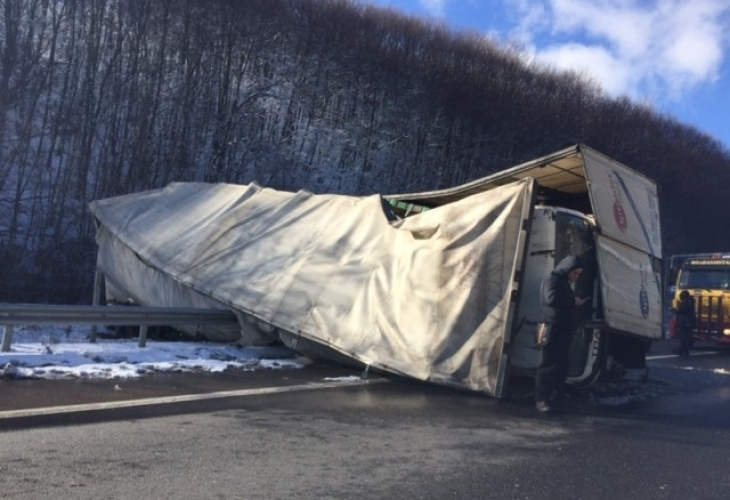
[65, 352]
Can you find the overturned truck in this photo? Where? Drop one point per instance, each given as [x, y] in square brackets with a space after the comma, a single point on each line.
[440, 286]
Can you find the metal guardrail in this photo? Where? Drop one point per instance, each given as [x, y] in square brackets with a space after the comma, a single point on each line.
[41, 314]
[711, 318]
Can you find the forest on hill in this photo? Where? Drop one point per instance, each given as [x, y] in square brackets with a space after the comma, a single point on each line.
[106, 97]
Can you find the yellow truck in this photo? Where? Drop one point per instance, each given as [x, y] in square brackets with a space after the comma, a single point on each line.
[706, 276]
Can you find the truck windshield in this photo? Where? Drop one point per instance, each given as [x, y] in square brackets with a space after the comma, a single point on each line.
[707, 279]
[574, 236]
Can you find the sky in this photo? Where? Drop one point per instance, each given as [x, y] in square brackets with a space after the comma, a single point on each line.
[672, 55]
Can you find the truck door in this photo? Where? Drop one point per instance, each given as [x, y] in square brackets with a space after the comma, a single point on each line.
[628, 246]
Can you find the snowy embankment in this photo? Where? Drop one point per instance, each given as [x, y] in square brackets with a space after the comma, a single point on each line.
[65, 352]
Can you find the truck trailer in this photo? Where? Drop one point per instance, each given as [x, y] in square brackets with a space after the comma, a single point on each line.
[440, 286]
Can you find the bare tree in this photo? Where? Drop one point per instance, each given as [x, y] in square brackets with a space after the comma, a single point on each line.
[106, 97]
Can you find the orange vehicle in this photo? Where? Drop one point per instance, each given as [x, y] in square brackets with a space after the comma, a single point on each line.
[707, 278]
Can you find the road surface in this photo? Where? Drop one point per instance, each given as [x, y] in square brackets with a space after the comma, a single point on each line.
[334, 436]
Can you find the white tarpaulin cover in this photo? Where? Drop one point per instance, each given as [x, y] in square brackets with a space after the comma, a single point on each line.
[427, 296]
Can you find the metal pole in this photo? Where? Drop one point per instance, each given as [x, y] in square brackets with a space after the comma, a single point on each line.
[98, 276]
[143, 336]
[7, 337]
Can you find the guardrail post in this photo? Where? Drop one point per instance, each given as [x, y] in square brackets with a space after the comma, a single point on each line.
[7, 337]
[98, 276]
[143, 336]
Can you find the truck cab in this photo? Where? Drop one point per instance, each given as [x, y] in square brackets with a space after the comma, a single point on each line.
[557, 233]
[588, 205]
[595, 353]
[707, 278]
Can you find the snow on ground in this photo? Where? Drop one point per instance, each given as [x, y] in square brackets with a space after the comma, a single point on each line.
[65, 352]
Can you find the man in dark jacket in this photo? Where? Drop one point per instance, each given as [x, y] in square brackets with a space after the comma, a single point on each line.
[558, 314]
[686, 323]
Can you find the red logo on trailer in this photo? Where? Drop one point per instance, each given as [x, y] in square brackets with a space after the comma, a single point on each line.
[619, 214]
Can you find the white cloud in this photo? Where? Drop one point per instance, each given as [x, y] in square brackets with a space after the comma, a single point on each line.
[434, 7]
[531, 17]
[627, 30]
[694, 42]
[613, 74]
[630, 47]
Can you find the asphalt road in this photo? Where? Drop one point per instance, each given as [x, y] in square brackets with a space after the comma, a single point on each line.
[668, 438]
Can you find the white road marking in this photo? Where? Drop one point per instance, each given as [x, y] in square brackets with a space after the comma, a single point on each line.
[667, 356]
[54, 410]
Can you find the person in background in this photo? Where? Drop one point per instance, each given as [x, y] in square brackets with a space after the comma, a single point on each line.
[686, 323]
[558, 310]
